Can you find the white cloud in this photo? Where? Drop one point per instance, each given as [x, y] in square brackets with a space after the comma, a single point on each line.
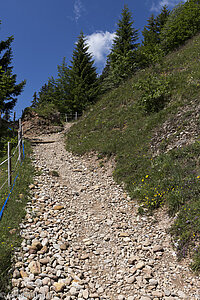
[78, 8]
[100, 44]
[156, 6]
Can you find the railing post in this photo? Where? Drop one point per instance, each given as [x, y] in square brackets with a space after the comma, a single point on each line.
[20, 140]
[76, 116]
[66, 118]
[19, 146]
[9, 165]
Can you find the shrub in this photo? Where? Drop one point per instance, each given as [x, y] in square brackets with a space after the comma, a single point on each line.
[155, 92]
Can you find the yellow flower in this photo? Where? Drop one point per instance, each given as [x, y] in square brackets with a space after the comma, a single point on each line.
[147, 176]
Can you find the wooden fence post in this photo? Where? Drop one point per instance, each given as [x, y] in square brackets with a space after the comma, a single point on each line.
[20, 140]
[76, 116]
[19, 146]
[9, 165]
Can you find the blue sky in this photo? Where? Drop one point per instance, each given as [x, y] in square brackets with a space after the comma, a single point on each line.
[45, 31]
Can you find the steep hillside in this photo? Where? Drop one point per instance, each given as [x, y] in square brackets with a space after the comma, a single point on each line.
[157, 153]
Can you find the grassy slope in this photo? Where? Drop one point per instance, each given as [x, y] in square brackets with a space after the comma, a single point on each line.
[14, 211]
[116, 125]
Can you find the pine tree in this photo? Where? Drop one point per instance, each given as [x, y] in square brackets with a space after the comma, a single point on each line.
[9, 90]
[83, 77]
[122, 59]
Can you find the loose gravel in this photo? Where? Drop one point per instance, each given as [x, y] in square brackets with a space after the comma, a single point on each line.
[83, 239]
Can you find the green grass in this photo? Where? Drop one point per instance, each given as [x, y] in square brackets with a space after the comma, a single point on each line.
[12, 216]
[118, 125]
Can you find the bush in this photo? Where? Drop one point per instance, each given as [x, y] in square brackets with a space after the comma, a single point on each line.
[155, 92]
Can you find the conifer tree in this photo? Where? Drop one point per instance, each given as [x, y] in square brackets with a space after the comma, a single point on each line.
[62, 95]
[126, 36]
[122, 59]
[182, 24]
[83, 77]
[9, 90]
[34, 102]
[43, 94]
[150, 32]
[151, 51]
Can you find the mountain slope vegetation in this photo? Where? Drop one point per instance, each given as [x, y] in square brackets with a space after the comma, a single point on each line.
[157, 150]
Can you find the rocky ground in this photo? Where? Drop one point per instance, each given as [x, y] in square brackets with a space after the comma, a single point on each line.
[83, 238]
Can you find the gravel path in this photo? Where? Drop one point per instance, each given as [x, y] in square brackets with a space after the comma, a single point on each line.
[83, 239]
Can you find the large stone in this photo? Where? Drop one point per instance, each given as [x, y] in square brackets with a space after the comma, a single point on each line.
[36, 245]
[182, 295]
[85, 256]
[44, 261]
[85, 294]
[64, 246]
[73, 291]
[140, 265]
[132, 259]
[34, 267]
[153, 281]
[59, 286]
[43, 250]
[58, 207]
[157, 294]
[130, 279]
[158, 248]
[16, 274]
[124, 234]
[23, 274]
[44, 289]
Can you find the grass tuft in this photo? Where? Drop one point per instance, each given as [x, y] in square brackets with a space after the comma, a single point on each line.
[14, 212]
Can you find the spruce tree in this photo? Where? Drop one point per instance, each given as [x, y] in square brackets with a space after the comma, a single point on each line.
[43, 94]
[151, 51]
[34, 102]
[83, 77]
[161, 21]
[150, 32]
[122, 59]
[9, 90]
[126, 36]
[62, 95]
[182, 24]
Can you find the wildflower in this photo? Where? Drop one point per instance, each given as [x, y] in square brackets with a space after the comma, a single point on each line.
[147, 176]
